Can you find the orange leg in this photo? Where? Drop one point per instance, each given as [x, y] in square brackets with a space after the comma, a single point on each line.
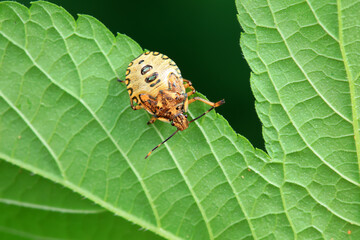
[153, 119]
[219, 103]
[214, 105]
[137, 107]
[188, 84]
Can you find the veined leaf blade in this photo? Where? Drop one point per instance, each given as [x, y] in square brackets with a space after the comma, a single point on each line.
[304, 99]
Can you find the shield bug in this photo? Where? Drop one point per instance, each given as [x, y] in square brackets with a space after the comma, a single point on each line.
[154, 83]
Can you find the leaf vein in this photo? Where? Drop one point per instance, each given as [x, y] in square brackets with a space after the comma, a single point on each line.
[33, 129]
[197, 201]
[252, 229]
[146, 191]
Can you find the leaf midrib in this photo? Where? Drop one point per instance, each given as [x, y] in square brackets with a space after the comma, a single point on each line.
[49, 208]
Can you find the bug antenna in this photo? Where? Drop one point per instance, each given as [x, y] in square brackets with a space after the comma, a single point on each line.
[202, 115]
[219, 103]
[161, 143]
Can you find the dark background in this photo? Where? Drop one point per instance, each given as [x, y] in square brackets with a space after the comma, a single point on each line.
[201, 36]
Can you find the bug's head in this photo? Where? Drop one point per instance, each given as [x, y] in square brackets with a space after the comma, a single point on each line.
[180, 122]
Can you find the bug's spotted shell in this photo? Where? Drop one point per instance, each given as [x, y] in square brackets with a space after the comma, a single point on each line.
[149, 74]
[154, 83]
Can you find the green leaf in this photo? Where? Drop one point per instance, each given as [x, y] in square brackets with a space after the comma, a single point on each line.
[20, 188]
[305, 61]
[35, 208]
[64, 117]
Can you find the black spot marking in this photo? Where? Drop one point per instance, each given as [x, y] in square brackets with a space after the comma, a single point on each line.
[127, 72]
[152, 77]
[146, 69]
[130, 64]
[164, 57]
[147, 53]
[172, 63]
[156, 53]
[135, 99]
[153, 84]
[130, 91]
[141, 61]
[127, 81]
